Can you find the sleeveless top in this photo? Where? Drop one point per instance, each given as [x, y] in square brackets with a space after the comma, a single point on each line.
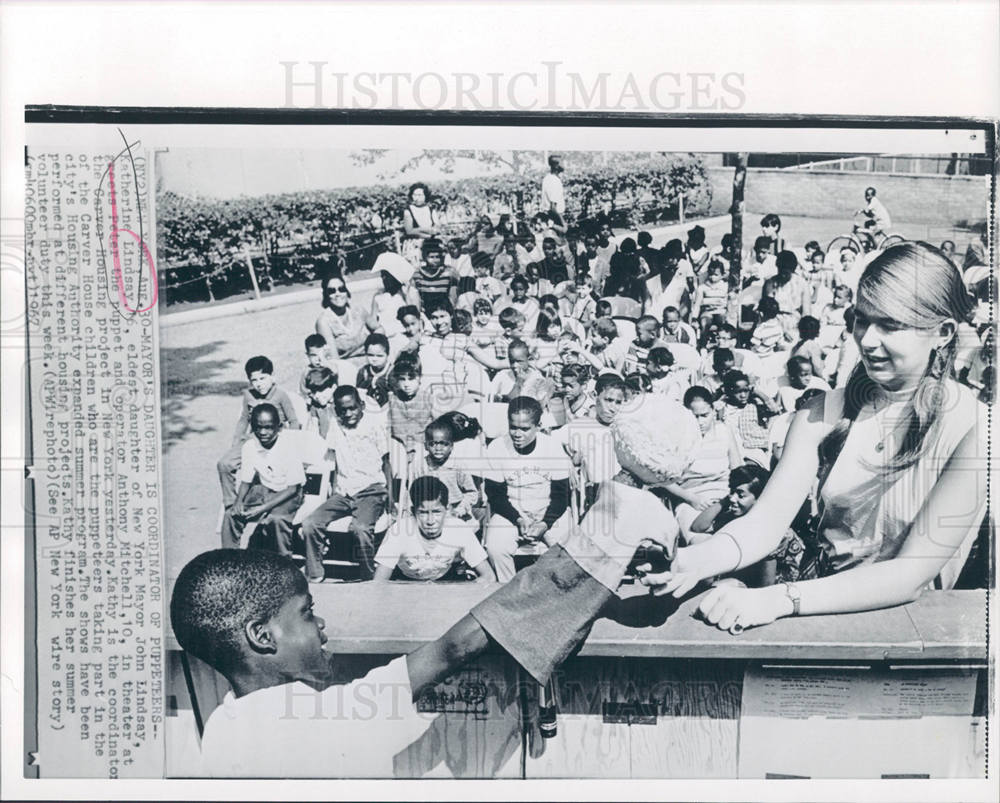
[423, 216]
[866, 515]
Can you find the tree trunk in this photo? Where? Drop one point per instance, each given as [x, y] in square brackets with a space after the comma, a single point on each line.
[739, 183]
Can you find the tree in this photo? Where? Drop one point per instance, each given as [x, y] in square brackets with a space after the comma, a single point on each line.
[519, 163]
[736, 210]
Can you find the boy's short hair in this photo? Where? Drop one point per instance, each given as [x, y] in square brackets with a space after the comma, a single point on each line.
[438, 303]
[319, 379]
[517, 345]
[749, 474]
[549, 299]
[638, 383]
[808, 327]
[525, 404]
[762, 243]
[721, 356]
[787, 260]
[345, 392]
[581, 373]
[461, 322]
[648, 319]
[606, 328]
[377, 339]
[674, 249]
[798, 359]
[672, 310]
[769, 306]
[661, 356]
[315, 341]
[848, 288]
[432, 245]
[519, 281]
[260, 409]
[428, 489]
[697, 392]
[406, 366]
[219, 592]
[812, 245]
[407, 310]
[510, 317]
[482, 305]
[644, 238]
[258, 363]
[603, 308]
[770, 219]
[734, 376]
[729, 329]
[608, 381]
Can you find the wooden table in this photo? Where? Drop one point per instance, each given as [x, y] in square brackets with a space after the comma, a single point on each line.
[654, 692]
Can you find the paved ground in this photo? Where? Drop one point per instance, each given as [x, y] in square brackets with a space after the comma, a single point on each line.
[201, 366]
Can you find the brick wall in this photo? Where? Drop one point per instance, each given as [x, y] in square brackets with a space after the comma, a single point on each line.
[836, 194]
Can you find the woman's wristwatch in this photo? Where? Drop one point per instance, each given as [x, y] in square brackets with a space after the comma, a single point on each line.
[793, 594]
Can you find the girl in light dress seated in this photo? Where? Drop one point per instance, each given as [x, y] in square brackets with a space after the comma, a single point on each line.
[898, 454]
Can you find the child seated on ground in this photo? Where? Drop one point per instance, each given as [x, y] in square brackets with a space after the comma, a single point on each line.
[747, 412]
[808, 345]
[647, 336]
[485, 328]
[606, 351]
[271, 478]
[665, 379]
[746, 483]
[797, 380]
[522, 378]
[410, 405]
[768, 334]
[428, 545]
[434, 460]
[320, 385]
[318, 356]
[526, 476]
[675, 330]
[520, 301]
[712, 296]
[373, 376]
[362, 484]
[577, 402]
[260, 374]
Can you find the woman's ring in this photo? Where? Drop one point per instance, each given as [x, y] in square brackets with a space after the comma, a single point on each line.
[736, 629]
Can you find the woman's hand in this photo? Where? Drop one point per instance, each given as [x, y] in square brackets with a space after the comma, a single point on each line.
[735, 609]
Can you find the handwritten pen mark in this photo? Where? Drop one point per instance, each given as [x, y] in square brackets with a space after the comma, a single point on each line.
[116, 258]
[140, 238]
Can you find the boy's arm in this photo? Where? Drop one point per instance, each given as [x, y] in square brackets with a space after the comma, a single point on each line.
[241, 494]
[244, 420]
[499, 499]
[558, 501]
[703, 523]
[433, 662]
[289, 493]
[387, 471]
[484, 573]
[288, 408]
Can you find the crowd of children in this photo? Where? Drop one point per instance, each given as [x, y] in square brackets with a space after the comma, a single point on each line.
[472, 425]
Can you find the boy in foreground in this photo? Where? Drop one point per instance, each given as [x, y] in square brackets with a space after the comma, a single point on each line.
[250, 616]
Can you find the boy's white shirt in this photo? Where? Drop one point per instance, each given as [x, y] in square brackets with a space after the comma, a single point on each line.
[347, 730]
[423, 558]
[277, 468]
